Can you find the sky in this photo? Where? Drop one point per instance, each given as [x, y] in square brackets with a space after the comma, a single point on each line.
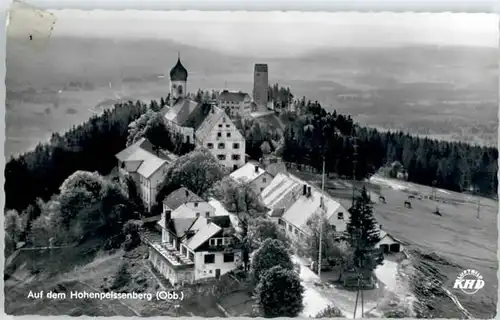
[279, 33]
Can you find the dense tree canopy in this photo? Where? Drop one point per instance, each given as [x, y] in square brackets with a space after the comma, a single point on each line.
[453, 165]
[272, 253]
[279, 293]
[90, 146]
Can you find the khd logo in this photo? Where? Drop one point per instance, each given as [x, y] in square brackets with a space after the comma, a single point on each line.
[469, 281]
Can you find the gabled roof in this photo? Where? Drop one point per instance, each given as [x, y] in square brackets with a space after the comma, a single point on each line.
[203, 234]
[281, 187]
[210, 121]
[180, 226]
[181, 196]
[221, 221]
[141, 157]
[182, 211]
[233, 96]
[247, 173]
[180, 111]
[198, 115]
[306, 206]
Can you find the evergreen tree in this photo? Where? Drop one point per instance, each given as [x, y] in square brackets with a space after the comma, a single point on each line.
[272, 253]
[362, 232]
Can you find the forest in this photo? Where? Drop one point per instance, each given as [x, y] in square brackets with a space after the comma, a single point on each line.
[354, 151]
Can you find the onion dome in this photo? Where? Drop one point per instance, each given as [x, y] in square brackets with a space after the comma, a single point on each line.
[178, 72]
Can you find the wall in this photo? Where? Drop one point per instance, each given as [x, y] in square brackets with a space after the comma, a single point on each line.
[148, 187]
[261, 87]
[228, 151]
[237, 108]
[388, 240]
[261, 182]
[171, 274]
[173, 89]
[201, 208]
[202, 270]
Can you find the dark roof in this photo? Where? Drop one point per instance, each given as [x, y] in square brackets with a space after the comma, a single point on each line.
[199, 114]
[221, 221]
[260, 67]
[181, 225]
[232, 96]
[178, 72]
[180, 196]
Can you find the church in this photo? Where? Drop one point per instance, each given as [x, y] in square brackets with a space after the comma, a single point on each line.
[203, 124]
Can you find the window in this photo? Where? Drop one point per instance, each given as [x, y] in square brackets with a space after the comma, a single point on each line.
[290, 228]
[221, 157]
[191, 256]
[235, 167]
[224, 119]
[221, 146]
[340, 216]
[219, 242]
[210, 145]
[197, 214]
[236, 145]
[220, 125]
[280, 222]
[196, 204]
[228, 257]
[296, 231]
[209, 258]
[236, 157]
[264, 180]
[212, 242]
[261, 189]
[207, 214]
[228, 134]
[219, 134]
[227, 125]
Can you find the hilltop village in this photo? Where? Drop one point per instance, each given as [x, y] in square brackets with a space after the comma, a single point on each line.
[225, 196]
[195, 239]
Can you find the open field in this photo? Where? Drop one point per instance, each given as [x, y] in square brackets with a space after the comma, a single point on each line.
[448, 92]
[458, 236]
[455, 241]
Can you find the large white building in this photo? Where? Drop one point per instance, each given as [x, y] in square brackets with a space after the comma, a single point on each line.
[235, 103]
[146, 166]
[293, 201]
[204, 124]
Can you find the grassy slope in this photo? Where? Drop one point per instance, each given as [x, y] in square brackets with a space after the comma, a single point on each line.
[449, 91]
[451, 243]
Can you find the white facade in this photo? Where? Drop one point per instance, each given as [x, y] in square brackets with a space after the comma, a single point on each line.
[226, 143]
[222, 263]
[235, 103]
[148, 187]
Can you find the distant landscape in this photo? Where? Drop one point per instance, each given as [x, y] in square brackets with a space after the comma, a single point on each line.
[443, 92]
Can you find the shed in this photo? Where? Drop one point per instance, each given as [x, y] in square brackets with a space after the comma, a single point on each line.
[388, 244]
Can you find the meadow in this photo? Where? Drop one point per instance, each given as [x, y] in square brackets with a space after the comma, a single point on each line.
[444, 92]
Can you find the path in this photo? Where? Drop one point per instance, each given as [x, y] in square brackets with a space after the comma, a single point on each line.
[317, 298]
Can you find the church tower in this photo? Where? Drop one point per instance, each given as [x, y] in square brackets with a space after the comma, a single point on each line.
[178, 80]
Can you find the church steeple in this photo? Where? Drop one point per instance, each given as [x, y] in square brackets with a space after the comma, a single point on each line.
[178, 72]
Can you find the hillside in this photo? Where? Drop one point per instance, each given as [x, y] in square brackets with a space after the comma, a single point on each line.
[442, 245]
[447, 92]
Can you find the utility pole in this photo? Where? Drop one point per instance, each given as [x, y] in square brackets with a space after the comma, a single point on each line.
[478, 207]
[354, 162]
[322, 206]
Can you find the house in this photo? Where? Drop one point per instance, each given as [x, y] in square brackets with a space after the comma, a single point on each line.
[235, 103]
[220, 136]
[256, 177]
[388, 244]
[183, 201]
[203, 124]
[195, 249]
[292, 202]
[147, 167]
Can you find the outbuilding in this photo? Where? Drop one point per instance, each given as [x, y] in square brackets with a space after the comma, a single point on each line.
[388, 244]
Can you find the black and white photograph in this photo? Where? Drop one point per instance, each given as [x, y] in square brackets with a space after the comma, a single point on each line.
[251, 164]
